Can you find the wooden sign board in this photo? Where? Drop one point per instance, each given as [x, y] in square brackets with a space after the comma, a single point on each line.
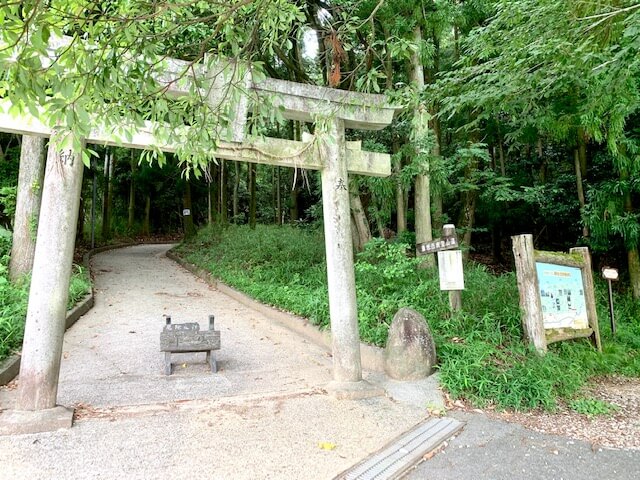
[450, 270]
[437, 245]
[556, 294]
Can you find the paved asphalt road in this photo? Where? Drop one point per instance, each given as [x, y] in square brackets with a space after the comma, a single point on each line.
[491, 449]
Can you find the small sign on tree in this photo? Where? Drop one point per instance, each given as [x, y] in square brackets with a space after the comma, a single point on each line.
[556, 294]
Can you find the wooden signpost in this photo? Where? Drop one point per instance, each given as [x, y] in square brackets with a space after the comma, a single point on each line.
[611, 274]
[438, 245]
[556, 294]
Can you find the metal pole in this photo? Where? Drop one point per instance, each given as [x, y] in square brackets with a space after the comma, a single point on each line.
[613, 320]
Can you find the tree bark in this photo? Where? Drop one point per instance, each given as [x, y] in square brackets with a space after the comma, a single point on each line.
[209, 199]
[252, 195]
[436, 193]
[360, 221]
[530, 304]
[278, 203]
[223, 192]
[401, 212]
[80, 226]
[423, 182]
[503, 170]
[132, 194]
[236, 188]
[146, 225]
[215, 190]
[29, 195]
[468, 213]
[582, 152]
[294, 213]
[107, 198]
[633, 259]
[580, 187]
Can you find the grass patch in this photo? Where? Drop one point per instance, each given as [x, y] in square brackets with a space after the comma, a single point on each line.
[14, 298]
[592, 407]
[481, 352]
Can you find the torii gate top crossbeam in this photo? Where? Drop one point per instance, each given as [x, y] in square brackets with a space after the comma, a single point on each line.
[361, 111]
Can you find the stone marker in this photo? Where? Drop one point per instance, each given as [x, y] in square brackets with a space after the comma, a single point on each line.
[410, 353]
[188, 338]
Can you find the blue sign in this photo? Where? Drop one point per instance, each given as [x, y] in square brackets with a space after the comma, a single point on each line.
[562, 296]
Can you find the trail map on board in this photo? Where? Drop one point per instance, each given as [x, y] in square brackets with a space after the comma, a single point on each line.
[562, 296]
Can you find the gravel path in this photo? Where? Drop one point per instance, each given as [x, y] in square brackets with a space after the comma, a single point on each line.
[264, 415]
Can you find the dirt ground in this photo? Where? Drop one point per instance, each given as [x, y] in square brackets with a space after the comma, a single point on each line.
[620, 429]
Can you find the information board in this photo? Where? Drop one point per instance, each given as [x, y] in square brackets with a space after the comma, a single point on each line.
[450, 270]
[562, 296]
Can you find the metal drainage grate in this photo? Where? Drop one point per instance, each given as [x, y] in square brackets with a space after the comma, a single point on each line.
[404, 452]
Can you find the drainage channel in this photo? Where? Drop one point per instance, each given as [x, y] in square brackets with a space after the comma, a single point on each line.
[393, 460]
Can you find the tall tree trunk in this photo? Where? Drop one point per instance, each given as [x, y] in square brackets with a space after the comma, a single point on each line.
[209, 199]
[401, 212]
[359, 220]
[468, 217]
[131, 210]
[580, 187]
[107, 194]
[293, 199]
[146, 225]
[236, 188]
[633, 259]
[468, 213]
[80, 226]
[380, 224]
[582, 152]
[436, 193]
[420, 131]
[252, 195]
[503, 170]
[215, 190]
[434, 124]
[29, 195]
[278, 200]
[223, 192]
[401, 194]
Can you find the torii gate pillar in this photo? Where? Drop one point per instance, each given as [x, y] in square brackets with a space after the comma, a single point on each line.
[44, 327]
[339, 248]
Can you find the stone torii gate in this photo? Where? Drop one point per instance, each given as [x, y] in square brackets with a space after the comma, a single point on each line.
[44, 330]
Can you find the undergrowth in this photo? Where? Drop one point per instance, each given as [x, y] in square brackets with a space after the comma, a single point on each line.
[14, 298]
[482, 357]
